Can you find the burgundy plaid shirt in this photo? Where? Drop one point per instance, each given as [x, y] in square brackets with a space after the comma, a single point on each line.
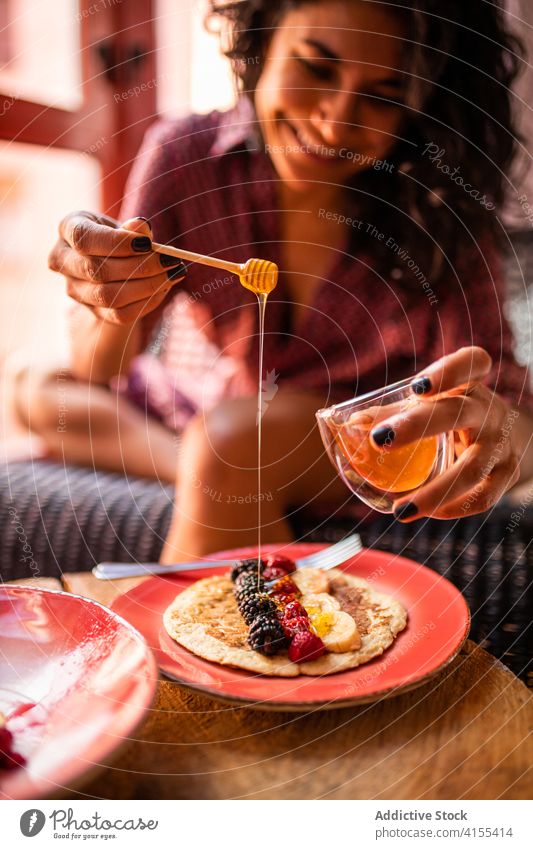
[207, 185]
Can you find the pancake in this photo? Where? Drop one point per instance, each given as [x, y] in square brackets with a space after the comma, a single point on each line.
[205, 620]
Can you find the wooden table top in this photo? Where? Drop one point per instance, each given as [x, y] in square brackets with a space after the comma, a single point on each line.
[464, 735]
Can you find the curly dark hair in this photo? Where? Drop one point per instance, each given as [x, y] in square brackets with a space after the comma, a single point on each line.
[461, 61]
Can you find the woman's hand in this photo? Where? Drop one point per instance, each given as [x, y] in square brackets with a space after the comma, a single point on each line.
[486, 463]
[116, 276]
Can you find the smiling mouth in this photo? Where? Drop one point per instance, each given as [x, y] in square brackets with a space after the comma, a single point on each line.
[318, 151]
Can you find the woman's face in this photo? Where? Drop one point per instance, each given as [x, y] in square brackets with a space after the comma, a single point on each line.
[330, 95]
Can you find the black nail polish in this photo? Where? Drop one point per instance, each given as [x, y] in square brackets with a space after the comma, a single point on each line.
[383, 435]
[406, 511]
[179, 271]
[141, 244]
[146, 220]
[167, 261]
[421, 385]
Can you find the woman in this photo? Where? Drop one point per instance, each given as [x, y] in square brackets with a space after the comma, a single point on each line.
[366, 156]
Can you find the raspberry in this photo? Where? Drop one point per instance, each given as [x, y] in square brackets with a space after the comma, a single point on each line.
[278, 560]
[6, 739]
[294, 608]
[294, 625]
[13, 760]
[305, 646]
[246, 566]
[285, 587]
[272, 573]
[8, 758]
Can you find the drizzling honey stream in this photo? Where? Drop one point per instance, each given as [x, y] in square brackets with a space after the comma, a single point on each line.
[261, 277]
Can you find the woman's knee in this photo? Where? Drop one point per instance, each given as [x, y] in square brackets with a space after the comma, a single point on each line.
[223, 441]
[38, 396]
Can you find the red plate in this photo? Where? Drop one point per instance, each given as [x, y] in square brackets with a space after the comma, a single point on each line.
[437, 627]
[75, 681]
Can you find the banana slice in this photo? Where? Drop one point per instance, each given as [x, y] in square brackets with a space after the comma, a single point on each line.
[320, 602]
[320, 607]
[343, 634]
[310, 581]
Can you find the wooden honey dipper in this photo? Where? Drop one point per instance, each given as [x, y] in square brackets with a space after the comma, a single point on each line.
[257, 275]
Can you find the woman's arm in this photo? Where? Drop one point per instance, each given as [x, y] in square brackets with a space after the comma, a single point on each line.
[493, 419]
[100, 350]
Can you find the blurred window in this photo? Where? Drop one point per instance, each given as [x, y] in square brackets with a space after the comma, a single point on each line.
[48, 72]
[80, 82]
[193, 76]
[76, 96]
[37, 186]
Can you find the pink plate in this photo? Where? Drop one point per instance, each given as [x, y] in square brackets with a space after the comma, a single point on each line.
[437, 628]
[75, 681]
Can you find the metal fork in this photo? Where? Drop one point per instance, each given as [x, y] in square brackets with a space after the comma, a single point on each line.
[327, 558]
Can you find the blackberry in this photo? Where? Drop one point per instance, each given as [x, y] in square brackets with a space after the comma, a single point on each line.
[266, 635]
[248, 584]
[252, 606]
[245, 566]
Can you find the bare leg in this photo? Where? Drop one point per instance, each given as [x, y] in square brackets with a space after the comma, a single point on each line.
[217, 503]
[90, 426]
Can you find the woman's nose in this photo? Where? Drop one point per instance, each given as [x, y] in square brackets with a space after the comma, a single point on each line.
[335, 116]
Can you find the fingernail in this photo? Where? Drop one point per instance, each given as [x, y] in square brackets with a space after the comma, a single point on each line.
[383, 435]
[146, 220]
[166, 260]
[141, 244]
[406, 510]
[179, 271]
[421, 385]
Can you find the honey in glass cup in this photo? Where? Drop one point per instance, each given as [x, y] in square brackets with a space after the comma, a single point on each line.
[379, 476]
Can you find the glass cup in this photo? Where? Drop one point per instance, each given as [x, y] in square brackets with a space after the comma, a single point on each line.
[379, 476]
